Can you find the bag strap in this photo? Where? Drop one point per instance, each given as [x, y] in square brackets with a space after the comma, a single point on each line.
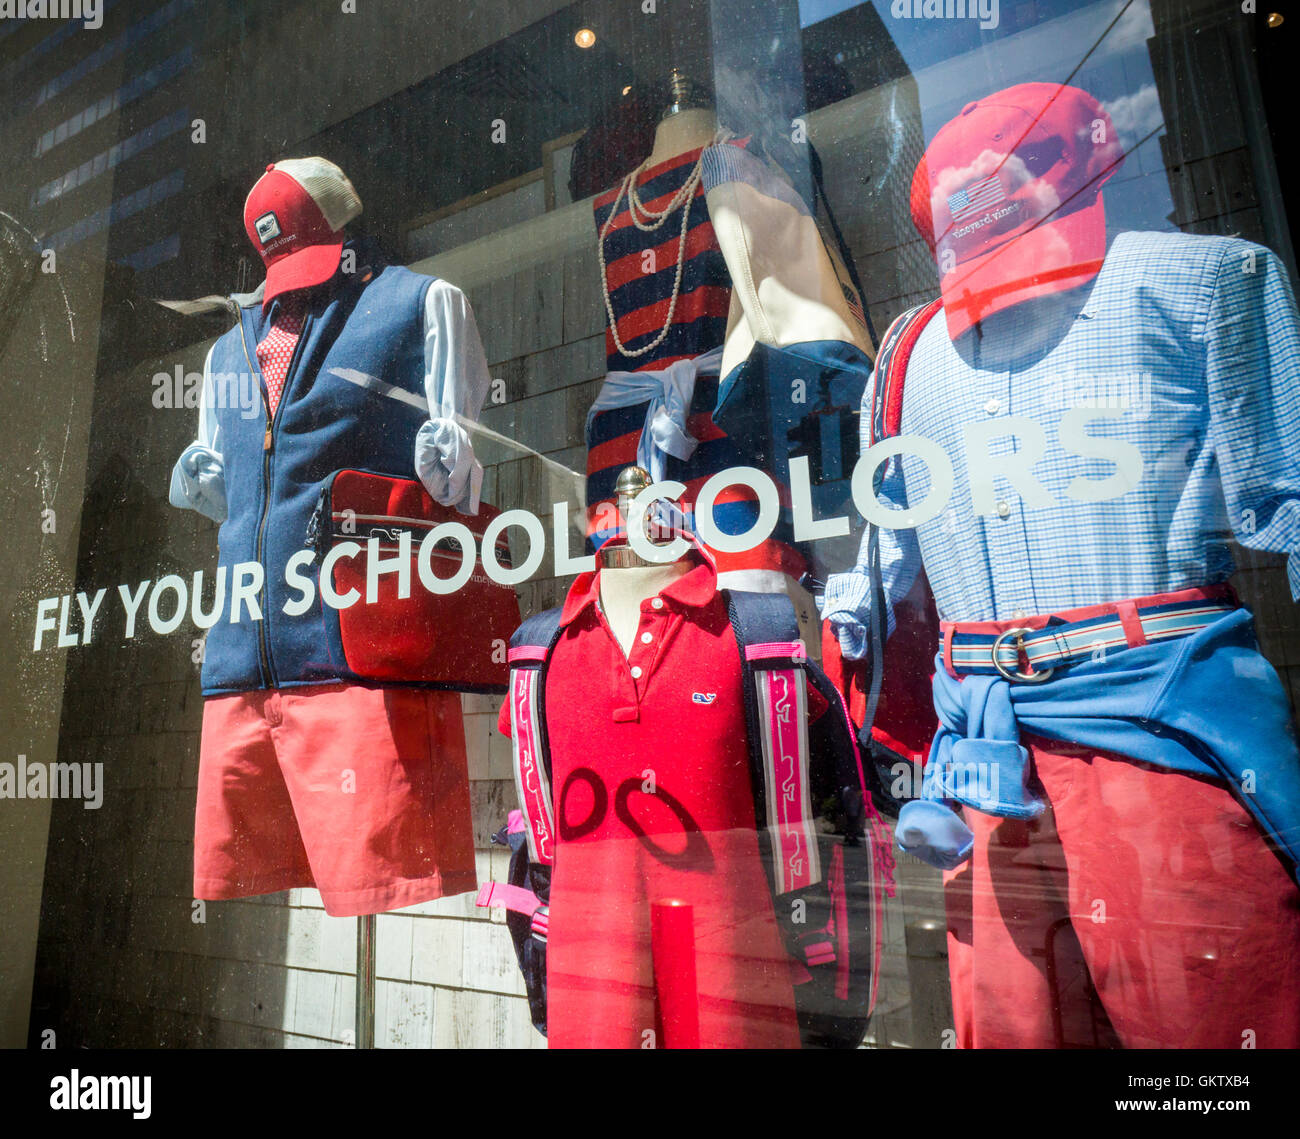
[529, 654]
[849, 767]
[884, 423]
[513, 898]
[776, 713]
[846, 254]
[891, 367]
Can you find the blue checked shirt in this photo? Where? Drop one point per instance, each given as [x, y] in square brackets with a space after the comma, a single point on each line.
[1180, 381]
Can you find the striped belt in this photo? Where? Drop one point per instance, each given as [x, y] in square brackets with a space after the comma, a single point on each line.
[1030, 649]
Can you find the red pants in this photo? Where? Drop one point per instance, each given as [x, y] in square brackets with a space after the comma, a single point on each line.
[360, 792]
[1142, 910]
[600, 976]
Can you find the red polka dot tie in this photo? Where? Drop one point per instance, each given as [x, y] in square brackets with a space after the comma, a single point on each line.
[276, 349]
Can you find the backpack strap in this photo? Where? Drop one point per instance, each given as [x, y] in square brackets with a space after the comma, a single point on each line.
[891, 367]
[776, 712]
[885, 422]
[516, 899]
[530, 650]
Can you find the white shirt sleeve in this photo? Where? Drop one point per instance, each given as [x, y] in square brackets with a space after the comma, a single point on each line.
[199, 476]
[456, 383]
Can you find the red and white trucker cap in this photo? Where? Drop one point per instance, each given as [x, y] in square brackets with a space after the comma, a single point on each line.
[1008, 197]
[294, 217]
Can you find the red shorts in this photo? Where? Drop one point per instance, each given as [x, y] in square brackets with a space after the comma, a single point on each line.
[1143, 910]
[360, 792]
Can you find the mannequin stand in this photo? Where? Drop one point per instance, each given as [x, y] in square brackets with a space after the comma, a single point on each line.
[365, 1002]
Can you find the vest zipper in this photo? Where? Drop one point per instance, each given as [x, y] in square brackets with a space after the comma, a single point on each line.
[268, 448]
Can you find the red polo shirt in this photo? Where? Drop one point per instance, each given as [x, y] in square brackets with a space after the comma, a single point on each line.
[653, 800]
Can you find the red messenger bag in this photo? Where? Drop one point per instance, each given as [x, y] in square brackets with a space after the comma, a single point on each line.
[454, 640]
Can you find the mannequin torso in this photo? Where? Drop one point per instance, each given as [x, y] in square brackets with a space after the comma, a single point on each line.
[623, 590]
[686, 130]
[1017, 337]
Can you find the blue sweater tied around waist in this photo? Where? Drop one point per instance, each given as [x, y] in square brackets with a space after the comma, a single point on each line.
[1206, 704]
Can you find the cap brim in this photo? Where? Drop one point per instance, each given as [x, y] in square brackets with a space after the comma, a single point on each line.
[301, 270]
[1053, 257]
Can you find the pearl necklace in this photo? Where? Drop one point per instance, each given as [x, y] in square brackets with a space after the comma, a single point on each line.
[654, 221]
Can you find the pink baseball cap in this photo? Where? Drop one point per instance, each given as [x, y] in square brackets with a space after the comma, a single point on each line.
[1008, 197]
[294, 216]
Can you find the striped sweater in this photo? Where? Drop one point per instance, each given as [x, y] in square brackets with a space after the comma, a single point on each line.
[641, 268]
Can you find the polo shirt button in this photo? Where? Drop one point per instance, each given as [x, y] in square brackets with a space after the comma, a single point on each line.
[636, 672]
[646, 638]
[993, 407]
[1004, 510]
[658, 602]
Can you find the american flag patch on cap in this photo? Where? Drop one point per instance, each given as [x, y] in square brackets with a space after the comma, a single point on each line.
[977, 196]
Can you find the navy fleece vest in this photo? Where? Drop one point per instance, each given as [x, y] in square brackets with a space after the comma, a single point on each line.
[324, 423]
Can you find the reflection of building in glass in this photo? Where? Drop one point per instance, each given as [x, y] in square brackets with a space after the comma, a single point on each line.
[857, 44]
[165, 115]
[1216, 148]
[870, 141]
[98, 131]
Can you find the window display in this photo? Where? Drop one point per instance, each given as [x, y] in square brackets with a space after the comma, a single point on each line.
[776, 526]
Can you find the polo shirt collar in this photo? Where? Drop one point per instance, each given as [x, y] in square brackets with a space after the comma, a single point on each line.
[692, 590]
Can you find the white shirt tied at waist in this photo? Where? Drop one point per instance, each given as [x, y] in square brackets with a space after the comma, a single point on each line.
[669, 392]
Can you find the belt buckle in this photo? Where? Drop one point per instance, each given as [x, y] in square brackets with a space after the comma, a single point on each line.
[1015, 675]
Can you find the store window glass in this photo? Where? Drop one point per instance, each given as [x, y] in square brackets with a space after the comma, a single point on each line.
[649, 524]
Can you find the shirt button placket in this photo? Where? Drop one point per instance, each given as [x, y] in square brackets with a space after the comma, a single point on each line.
[627, 709]
[1012, 570]
[643, 648]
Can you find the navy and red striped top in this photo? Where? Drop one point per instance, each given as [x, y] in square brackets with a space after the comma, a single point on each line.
[641, 267]
[640, 270]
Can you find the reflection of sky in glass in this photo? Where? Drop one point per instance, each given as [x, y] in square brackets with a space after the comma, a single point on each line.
[925, 42]
[953, 62]
[813, 11]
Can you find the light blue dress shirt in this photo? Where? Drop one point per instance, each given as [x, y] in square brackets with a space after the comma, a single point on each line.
[1114, 465]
